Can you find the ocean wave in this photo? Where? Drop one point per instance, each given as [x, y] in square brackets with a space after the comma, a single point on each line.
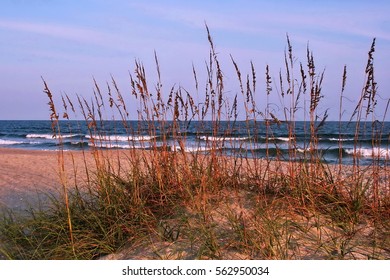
[192, 149]
[326, 152]
[72, 144]
[308, 150]
[117, 146]
[369, 152]
[50, 136]
[281, 138]
[340, 139]
[121, 138]
[33, 142]
[222, 138]
[10, 142]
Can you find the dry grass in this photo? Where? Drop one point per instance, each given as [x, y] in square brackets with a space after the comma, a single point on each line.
[165, 203]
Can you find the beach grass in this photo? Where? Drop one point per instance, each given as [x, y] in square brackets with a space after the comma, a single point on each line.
[167, 203]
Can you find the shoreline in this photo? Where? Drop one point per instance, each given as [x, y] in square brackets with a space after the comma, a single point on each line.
[24, 173]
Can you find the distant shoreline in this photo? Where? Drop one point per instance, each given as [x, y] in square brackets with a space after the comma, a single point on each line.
[239, 139]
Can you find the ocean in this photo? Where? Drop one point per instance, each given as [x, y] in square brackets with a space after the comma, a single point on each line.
[243, 139]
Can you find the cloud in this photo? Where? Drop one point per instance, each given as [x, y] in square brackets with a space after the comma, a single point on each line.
[262, 18]
[71, 34]
[52, 30]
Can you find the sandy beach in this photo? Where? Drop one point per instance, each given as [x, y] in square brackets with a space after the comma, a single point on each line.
[26, 173]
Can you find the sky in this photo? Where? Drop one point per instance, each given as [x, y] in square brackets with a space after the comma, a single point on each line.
[70, 43]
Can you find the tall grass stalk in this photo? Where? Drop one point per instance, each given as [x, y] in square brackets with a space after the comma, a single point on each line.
[176, 202]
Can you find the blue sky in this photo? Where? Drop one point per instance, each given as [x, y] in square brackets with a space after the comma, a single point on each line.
[70, 42]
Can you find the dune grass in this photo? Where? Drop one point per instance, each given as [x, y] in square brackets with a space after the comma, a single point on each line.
[165, 203]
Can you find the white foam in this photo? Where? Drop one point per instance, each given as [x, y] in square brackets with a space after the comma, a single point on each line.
[222, 138]
[116, 146]
[9, 142]
[341, 139]
[50, 136]
[34, 142]
[284, 139]
[120, 138]
[56, 150]
[368, 152]
[192, 149]
[76, 142]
